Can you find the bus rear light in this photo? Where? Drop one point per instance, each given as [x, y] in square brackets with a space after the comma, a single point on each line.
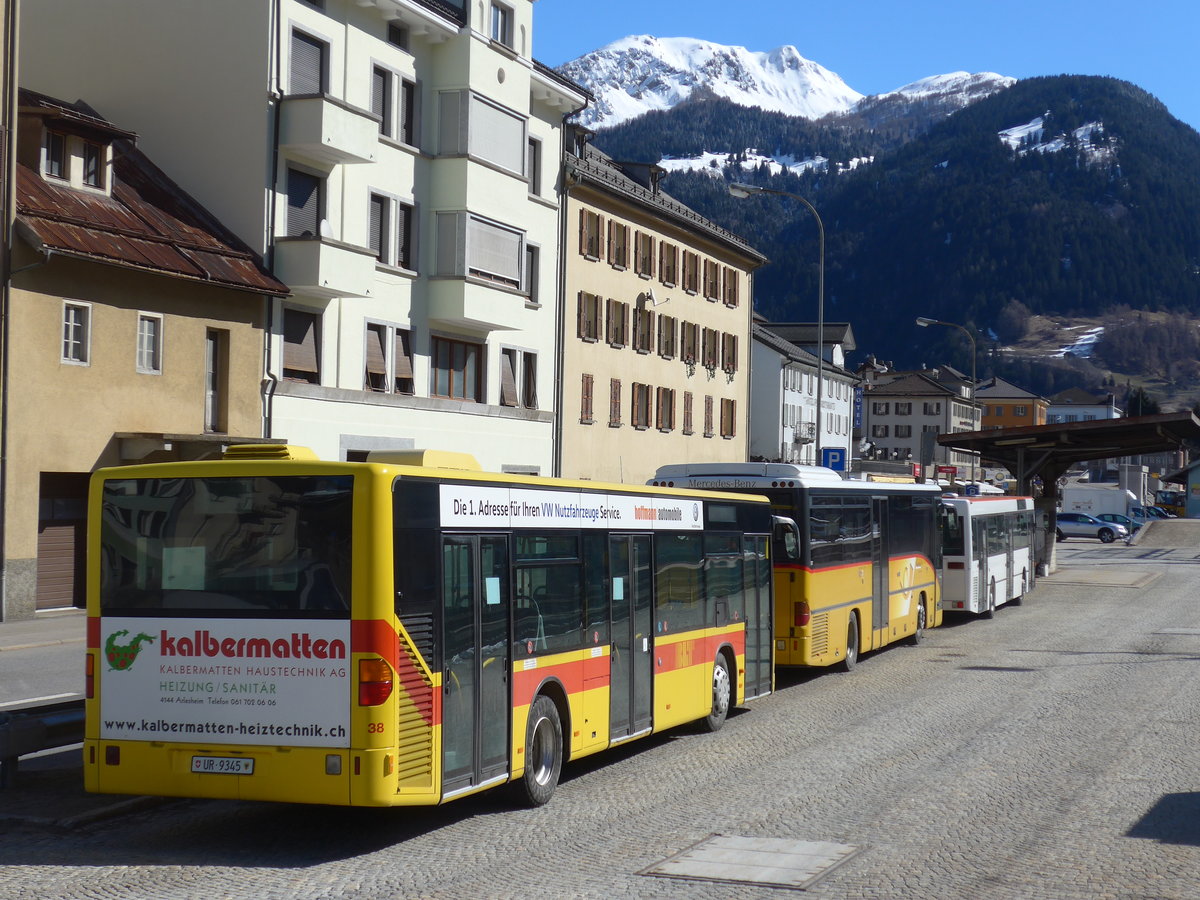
[112, 755]
[955, 565]
[374, 682]
[802, 613]
[89, 677]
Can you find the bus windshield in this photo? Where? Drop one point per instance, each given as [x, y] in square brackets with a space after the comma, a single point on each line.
[227, 546]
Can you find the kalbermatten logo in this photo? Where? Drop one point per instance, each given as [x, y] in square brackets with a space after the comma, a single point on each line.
[121, 656]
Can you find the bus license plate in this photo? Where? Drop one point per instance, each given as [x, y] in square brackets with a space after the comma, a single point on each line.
[223, 765]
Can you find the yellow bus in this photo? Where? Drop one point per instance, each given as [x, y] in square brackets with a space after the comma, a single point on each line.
[856, 563]
[405, 630]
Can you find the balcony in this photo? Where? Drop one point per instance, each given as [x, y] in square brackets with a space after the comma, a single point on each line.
[319, 267]
[804, 433]
[327, 132]
[462, 302]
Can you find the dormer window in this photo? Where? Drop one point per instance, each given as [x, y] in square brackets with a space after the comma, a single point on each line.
[502, 31]
[54, 162]
[93, 164]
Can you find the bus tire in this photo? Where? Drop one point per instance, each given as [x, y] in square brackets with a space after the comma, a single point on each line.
[1016, 601]
[722, 694]
[990, 610]
[543, 751]
[919, 634]
[851, 657]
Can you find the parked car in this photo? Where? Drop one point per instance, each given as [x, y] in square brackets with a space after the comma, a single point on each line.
[1130, 525]
[1085, 526]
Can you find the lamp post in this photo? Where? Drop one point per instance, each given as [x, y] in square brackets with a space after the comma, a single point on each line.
[741, 191]
[925, 322]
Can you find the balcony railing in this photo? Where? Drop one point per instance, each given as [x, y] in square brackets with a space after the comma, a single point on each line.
[327, 132]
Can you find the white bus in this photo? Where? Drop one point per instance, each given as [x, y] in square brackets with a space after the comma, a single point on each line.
[987, 552]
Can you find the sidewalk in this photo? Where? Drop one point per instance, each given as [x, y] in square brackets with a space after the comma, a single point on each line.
[63, 626]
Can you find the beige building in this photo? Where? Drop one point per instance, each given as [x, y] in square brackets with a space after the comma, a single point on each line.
[655, 348]
[135, 332]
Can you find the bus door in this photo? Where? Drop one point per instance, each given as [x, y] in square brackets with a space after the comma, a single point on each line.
[475, 659]
[631, 660]
[756, 580]
[880, 564]
[979, 560]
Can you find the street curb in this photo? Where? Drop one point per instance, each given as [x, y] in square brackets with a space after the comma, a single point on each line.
[36, 645]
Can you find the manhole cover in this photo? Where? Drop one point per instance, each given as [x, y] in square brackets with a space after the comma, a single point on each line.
[774, 862]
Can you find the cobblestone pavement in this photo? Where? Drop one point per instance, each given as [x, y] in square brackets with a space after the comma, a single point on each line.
[1051, 752]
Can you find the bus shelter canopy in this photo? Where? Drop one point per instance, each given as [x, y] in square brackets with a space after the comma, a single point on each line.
[1047, 451]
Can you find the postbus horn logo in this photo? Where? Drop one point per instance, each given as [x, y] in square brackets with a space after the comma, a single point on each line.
[121, 656]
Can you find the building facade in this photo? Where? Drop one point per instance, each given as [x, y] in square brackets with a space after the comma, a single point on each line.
[135, 326]
[395, 162]
[899, 411]
[783, 412]
[1005, 405]
[655, 363]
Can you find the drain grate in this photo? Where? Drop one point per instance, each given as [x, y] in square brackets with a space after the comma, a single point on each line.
[772, 862]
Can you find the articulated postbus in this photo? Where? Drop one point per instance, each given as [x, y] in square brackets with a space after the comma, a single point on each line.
[405, 630]
[855, 562]
[987, 552]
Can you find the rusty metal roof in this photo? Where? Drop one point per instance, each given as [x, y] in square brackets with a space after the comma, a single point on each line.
[147, 221]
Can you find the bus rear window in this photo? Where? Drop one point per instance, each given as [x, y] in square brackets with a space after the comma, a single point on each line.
[254, 546]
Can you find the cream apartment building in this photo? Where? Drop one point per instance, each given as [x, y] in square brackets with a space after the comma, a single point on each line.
[655, 359]
[395, 162]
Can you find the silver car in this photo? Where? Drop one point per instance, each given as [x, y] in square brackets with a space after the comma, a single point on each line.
[1082, 525]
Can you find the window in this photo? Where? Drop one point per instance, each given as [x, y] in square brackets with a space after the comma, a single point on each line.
[54, 155]
[532, 255]
[149, 344]
[729, 353]
[305, 204]
[691, 272]
[665, 417]
[712, 280]
[709, 347]
[77, 333]
[643, 329]
[728, 418]
[301, 346]
[687, 412]
[689, 337]
[457, 369]
[589, 234]
[879, 408]
[618, 244]
[933, 408]
[392, 243]
[903, 409]
[306, 74]
[617, 323]
[879, 431]
[589, 316]
[1021, 411]
[666, 336]
[216, 381]
[518, 378]
[668, 263]
[388, 360]
[381, 98]
[472, 124]
[93, 164]
[405, 257]
[533, 165]
[643, 260]
[472, 246]
[502, 24]
[708, 415]
[585, 400]
[378, 227]
[614, 402]
[640, 400]
[398, 36]
[731, 286]
[903, 431]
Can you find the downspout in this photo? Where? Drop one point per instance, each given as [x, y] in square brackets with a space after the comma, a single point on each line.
[271, 380]
[9, 128]
[560, 313]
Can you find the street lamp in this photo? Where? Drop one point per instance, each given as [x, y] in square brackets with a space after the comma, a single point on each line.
[925, 322]
[742, 191]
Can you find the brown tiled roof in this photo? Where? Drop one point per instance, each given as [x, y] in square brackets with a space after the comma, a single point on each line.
[148, 222]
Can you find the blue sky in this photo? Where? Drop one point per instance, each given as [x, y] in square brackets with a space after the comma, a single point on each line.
[880, 45]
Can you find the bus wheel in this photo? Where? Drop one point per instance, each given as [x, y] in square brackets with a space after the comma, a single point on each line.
[919, 634]
[851, 644]
[543, 751]
[722, 691]
[1016, 601]
[991, 603]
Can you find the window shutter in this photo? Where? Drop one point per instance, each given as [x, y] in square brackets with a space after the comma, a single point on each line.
[377, 227]
[376, 360]
[451, 255]
[497, 135]
[304, 204]
[408, 112]
[404, 215]
[508, 379]
[402, 360]
[614, 401]
[381, 84]
[300, 352]
[307, 73]
[585, 400]
[452, 125]
[529, 380]
[494, 251]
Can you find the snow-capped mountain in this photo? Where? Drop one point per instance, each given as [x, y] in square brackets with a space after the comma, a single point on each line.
[637, 74]
[641, 73]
